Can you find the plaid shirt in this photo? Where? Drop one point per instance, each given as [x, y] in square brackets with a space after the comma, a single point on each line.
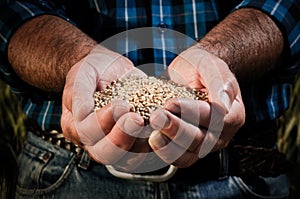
[264, 100]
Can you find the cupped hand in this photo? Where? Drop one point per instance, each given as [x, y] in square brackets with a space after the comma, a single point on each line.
[110, 133]
[189, 129]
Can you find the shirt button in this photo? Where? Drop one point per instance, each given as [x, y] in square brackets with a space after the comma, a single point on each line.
[162, 27]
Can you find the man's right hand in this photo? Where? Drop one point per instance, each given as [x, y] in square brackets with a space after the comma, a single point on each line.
[109, 133]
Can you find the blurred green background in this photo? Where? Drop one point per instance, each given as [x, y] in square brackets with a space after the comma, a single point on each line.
[12, 134]
[289, 138]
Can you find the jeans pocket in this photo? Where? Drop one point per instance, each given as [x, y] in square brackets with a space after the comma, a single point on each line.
[41, 170]
[264, 188]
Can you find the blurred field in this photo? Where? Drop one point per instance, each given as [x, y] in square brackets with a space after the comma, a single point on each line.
[289, 138]
[13, 132]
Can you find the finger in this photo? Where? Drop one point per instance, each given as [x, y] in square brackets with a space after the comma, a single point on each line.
[67, 120]
[131, 161]
[231, 86]
[90, 131]
[114, 67]
[84, 78]
[119, 141]
[97, 124]
[183, 134]
[232, 122]
[130, 125]
[196, 112]
[98, 69]
[172, 153]
[175, 151]
[141, 157]
[213, 73]
[69, 86]
[213, 79]
[236, 116]
[84, 87]
[186, 160]
[110, 65]
[108, 115]
[68, 127]
[167, 150]
[187, 76]
[220, 81]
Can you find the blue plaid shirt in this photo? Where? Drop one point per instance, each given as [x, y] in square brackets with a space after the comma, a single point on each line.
[264, 100]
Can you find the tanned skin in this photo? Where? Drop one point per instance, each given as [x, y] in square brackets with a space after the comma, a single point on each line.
[44, 49]
[248, 41]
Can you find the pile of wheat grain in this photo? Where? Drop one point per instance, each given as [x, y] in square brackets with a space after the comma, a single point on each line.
[144, 94]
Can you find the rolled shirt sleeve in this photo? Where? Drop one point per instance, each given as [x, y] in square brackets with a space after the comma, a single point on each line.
[286, 14]
[12, 16]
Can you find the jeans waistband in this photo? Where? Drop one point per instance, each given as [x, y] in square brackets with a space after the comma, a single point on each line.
[82, 160]
[206, 168]
[237, 160]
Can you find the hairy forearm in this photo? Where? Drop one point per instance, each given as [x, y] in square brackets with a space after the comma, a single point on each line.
[44, 49]
[248, 41]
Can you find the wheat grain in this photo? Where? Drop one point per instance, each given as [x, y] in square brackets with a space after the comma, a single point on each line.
[144, 94]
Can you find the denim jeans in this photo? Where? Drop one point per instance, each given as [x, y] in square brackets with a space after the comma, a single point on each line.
[48, 171]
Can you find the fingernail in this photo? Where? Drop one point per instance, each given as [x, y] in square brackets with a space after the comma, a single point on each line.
[157, 140]
[225, 99]
[76, 103]
[119, 108]
[81, 110]
[173, 106]
[133, 126]
[159, 119]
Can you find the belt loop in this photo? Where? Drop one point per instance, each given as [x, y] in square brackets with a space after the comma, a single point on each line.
[223, 158]
[84, 161]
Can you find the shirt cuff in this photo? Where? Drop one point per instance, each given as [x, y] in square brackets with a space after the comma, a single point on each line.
[12, 16]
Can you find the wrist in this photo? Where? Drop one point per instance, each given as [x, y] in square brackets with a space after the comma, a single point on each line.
[48, 51]
[249, 42]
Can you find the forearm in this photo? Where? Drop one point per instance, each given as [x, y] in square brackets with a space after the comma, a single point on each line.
[248, 41]
[44, 49]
